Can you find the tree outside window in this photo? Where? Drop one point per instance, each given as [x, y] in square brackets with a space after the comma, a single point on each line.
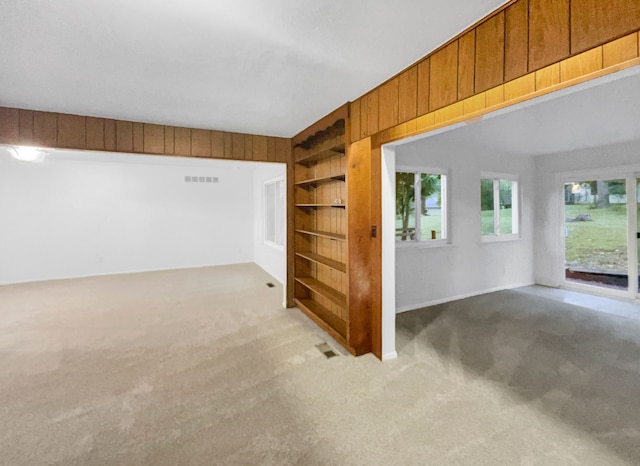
[420, 206]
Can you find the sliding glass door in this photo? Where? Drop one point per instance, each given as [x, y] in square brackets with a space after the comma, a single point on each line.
[597, 232]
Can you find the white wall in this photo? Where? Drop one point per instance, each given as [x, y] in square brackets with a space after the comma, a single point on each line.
[79, 214]
[467, 266]
[550, 169]
[271, 258]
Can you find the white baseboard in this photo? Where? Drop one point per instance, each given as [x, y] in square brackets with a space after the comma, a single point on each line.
[389, 356]
[413, 307]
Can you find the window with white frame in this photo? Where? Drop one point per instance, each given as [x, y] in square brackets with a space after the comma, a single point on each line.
[499, 205]
[421, 205]
[274, 212]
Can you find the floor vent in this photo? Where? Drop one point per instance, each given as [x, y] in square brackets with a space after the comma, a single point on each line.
[326, 350]
[270, 285]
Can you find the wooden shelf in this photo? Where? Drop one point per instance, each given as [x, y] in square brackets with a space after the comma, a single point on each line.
[323, 234]
[315, 206]
[324, 290]
[332, 323]
[313, 183]
[326, 150]
[318, 259]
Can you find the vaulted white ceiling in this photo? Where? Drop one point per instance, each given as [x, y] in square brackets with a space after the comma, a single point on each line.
[258, 66]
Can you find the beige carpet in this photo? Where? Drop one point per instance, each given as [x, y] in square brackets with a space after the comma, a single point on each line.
[203, 366]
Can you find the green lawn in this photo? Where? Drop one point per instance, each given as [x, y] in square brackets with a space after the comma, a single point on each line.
[600, 243]
[487, 221]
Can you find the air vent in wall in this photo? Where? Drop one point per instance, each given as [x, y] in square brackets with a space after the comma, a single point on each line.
[200, 179]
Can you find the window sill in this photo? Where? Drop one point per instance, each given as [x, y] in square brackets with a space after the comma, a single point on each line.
[411, 245]
[499, 239]
[275, 246]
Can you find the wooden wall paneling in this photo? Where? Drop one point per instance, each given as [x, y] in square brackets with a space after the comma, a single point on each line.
[154, 139]
[95, 133]
[375, 253]
[138, 137]
[443, 77]
[228, 145]
[283, 149]
[388, 104]
[548, 76]
[474, 103]
[260, 148]
[594, 22]
[520, 87]
[579, 65]
[495, 96]
[259, 142]
[408, 95]
[238, 146]
[110, 138]
[25, 127]
[359, 248]
[200, 143]
[9, 125]
[124, 136]
[516, 40]
[373, 111]
[45, 129]
[364, 116]
[72, 131]
[490, 53]
[271, 149]
[548, 32]
[354, 117]
[621, 50]
[217, 144]
[466, 68]
[169, 140]
[182, 141]
[248, 147]
[424, 75]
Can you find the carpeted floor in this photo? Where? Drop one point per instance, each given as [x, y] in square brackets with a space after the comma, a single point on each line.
[203, 366]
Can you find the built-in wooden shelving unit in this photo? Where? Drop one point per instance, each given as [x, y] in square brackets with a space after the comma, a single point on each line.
[321, 266]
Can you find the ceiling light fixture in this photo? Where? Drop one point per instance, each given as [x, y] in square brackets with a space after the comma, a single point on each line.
[27, 154]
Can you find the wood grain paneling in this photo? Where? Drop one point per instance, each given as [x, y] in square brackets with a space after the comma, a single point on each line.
[359, 194]
[495, 95]
[9, 125]
[621, 50]
[260, 144]
[407, 95]
[443, 81]
[71, 132]
[138, 137]
[466, 67]
[217, 144]
[548, 32]
[375, 250]
[520, 87]
[169, 140]
[283, 149]
[95, 133]
[248, 147]
[364, 116]
[110, 138]
[25, 127]
[373, 112]
[154, 140]
[271, 149]
[424, 74]
[45, 129]
[200, 143]
[584, 63]
[354, 114]
[228, 146]
[516, 40]
[490, 53]
[124, 136]
[594, 22]
[238, 146]
[389, 99]
[548, 76]
[182, 141]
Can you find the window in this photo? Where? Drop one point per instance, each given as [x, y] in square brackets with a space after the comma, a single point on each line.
[499, 205]
[274, 208]
[421, 199]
